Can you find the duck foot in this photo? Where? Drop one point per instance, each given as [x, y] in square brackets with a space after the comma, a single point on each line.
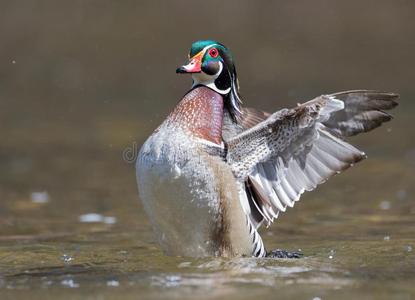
[278, 253]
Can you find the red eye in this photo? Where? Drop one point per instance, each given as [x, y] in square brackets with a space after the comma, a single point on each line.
[213, 52]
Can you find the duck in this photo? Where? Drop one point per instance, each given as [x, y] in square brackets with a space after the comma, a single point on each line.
[215, 171]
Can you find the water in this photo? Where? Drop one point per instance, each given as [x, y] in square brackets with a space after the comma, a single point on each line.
[78, 99]
[352, 245]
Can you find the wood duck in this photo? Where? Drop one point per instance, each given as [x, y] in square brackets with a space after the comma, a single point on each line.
[213, 172]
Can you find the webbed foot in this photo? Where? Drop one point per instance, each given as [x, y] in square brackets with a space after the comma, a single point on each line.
[278, 253]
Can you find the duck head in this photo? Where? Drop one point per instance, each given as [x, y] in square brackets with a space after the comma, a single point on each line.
[211, 64]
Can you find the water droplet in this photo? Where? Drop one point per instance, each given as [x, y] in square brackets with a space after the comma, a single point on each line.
[91, 218]
[385, 205]
[97, 218]
[113, 283]
[40, 197]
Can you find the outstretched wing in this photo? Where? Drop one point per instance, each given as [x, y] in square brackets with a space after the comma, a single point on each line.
[294, 150]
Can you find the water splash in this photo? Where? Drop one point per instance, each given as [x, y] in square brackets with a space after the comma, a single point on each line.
[67, 259]
[113, 283]
[69, 283]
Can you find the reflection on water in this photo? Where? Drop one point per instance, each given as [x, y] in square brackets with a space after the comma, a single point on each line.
[359, 261]
[82, 84]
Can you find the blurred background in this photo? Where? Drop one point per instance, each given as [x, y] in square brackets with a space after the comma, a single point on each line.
[84, 83]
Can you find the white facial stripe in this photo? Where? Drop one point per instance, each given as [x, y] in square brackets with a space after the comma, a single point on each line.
[208, 47]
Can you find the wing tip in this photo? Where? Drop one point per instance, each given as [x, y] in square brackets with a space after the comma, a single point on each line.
[391, 97]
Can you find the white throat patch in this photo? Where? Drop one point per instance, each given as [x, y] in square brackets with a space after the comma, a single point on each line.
[209, 80]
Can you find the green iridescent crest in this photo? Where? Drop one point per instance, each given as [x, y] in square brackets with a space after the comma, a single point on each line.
[224, 53]
[200, 45]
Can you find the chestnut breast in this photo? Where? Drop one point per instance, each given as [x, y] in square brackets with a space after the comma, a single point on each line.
[200, 113]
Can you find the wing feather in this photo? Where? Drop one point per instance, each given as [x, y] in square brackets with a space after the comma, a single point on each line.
[280, 156]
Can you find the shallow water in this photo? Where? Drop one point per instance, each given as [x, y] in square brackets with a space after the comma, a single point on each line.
[74, 110]
[356, 233]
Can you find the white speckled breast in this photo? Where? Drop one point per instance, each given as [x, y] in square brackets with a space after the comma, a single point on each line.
[177, 188]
